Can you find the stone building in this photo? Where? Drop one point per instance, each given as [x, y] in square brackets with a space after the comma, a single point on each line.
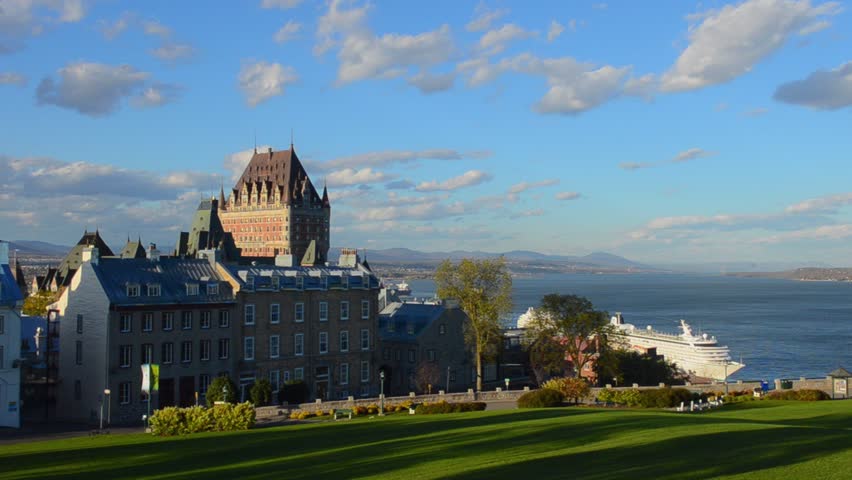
[11, 301]
[316, 324]
[274, 209]
[423, 343]
[118, 314]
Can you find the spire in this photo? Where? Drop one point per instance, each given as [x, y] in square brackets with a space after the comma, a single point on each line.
[221, 195]
[255, 141]
[291, 138]
[325, 201]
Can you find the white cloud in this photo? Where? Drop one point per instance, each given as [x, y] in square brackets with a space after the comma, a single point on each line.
[821, 90]
[826, 204]
[156, 29]
[280, 4]
[575, 87]
[469, 178]
[12, 78]
[23, 18]
[495, 41]
[336, 22]
[528, 213]
[563, 196]
[114, 29]
[684, 156]
[156, 95]
[392, 157]
[556, 29]
[172, 52]
[524, 186]
[287, 32]
[814, 27]
[262, 80]
[825, 232]
[350, 176]
[91, 88]
[432, 83]
[484, 18]
[364, 55]
[729, 42]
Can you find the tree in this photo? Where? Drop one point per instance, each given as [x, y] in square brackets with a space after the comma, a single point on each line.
[629, 367]
[216, 391]
[261, 392]
[483, 289]
[36, 304]
[572, 323]
[428, 375]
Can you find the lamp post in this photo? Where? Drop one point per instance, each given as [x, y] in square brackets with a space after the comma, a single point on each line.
[109, 406]
[382, 395]
[52, 317]
[448, 379]
[726, 380]
[225, 393]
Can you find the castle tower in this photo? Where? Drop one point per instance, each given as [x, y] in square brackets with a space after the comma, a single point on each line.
[274, 208]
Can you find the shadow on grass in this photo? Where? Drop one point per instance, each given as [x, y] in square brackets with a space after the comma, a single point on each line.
[466, 445]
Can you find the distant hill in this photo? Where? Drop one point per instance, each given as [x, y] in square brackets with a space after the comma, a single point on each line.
[804, 274]
[37, 248]
[409, 256]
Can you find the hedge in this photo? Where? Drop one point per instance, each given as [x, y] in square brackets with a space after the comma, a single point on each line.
[542, 398]
[651, 398]
[227, 417]
[805, 395]
[445, 407]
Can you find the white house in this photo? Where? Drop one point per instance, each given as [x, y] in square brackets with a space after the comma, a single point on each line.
[11, 302]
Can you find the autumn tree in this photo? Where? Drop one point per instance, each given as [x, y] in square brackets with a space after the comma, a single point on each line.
[483, 289]
[569, 324]
[36, 305]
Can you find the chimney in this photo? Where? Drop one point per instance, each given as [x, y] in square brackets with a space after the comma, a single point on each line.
[270, 152]
[153, 253]
[4, 253]
[90, 254]
[348, 258]
[284, 260]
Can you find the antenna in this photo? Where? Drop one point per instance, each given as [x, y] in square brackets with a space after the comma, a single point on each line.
[255, 140]
[291, 138]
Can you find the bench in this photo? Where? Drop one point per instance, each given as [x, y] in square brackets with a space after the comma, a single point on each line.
[412, 408]
[343, 411]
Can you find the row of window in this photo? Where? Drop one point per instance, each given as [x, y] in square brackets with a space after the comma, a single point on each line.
[167, 352]
[431, 355]
[167, 321]
[275, 376]
[299, 344]
[249, 314]
[167, 355]
[154, 290]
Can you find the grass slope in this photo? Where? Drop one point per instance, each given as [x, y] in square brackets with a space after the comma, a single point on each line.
[758, 440]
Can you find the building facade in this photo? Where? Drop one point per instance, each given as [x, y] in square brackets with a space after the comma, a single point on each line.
[11, 302]
[118, 314]
[313, 324]
[274, 209]
[422, 344]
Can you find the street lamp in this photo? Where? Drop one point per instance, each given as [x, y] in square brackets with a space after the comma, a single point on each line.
[382, 395]
[225, 393]
[109, 406]
[52, 318]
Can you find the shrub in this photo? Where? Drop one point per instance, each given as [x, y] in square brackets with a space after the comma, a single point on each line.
[217, 388]
[631, 397]
[444, 407]
[183, 421]
[261, 392]
[542, 398]
[570, 387]
[664, 397]
[606, 395]
[806, 395]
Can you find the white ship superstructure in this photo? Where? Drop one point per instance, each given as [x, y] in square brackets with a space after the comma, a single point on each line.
[698, 355]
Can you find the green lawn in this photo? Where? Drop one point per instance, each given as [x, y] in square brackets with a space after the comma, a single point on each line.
[765, 439]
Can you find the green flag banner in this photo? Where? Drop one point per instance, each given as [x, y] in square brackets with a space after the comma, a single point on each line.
[150, 378]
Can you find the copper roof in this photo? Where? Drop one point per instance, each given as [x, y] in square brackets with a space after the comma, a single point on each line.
[282, 169]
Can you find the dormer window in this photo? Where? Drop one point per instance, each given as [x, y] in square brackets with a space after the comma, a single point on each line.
[154, 290]
[212, 289]
[191, 289]
[249, 282]
[276, 282]
[132, 289]
[300, 283]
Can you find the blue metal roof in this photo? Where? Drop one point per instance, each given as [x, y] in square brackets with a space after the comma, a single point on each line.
[408, 320]
[306, 278]
[171, 274]
[10, 294]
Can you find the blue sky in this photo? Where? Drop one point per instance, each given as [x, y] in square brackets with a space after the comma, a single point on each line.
[676, 132]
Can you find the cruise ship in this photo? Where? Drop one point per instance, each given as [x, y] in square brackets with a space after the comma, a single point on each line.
[698, 355]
